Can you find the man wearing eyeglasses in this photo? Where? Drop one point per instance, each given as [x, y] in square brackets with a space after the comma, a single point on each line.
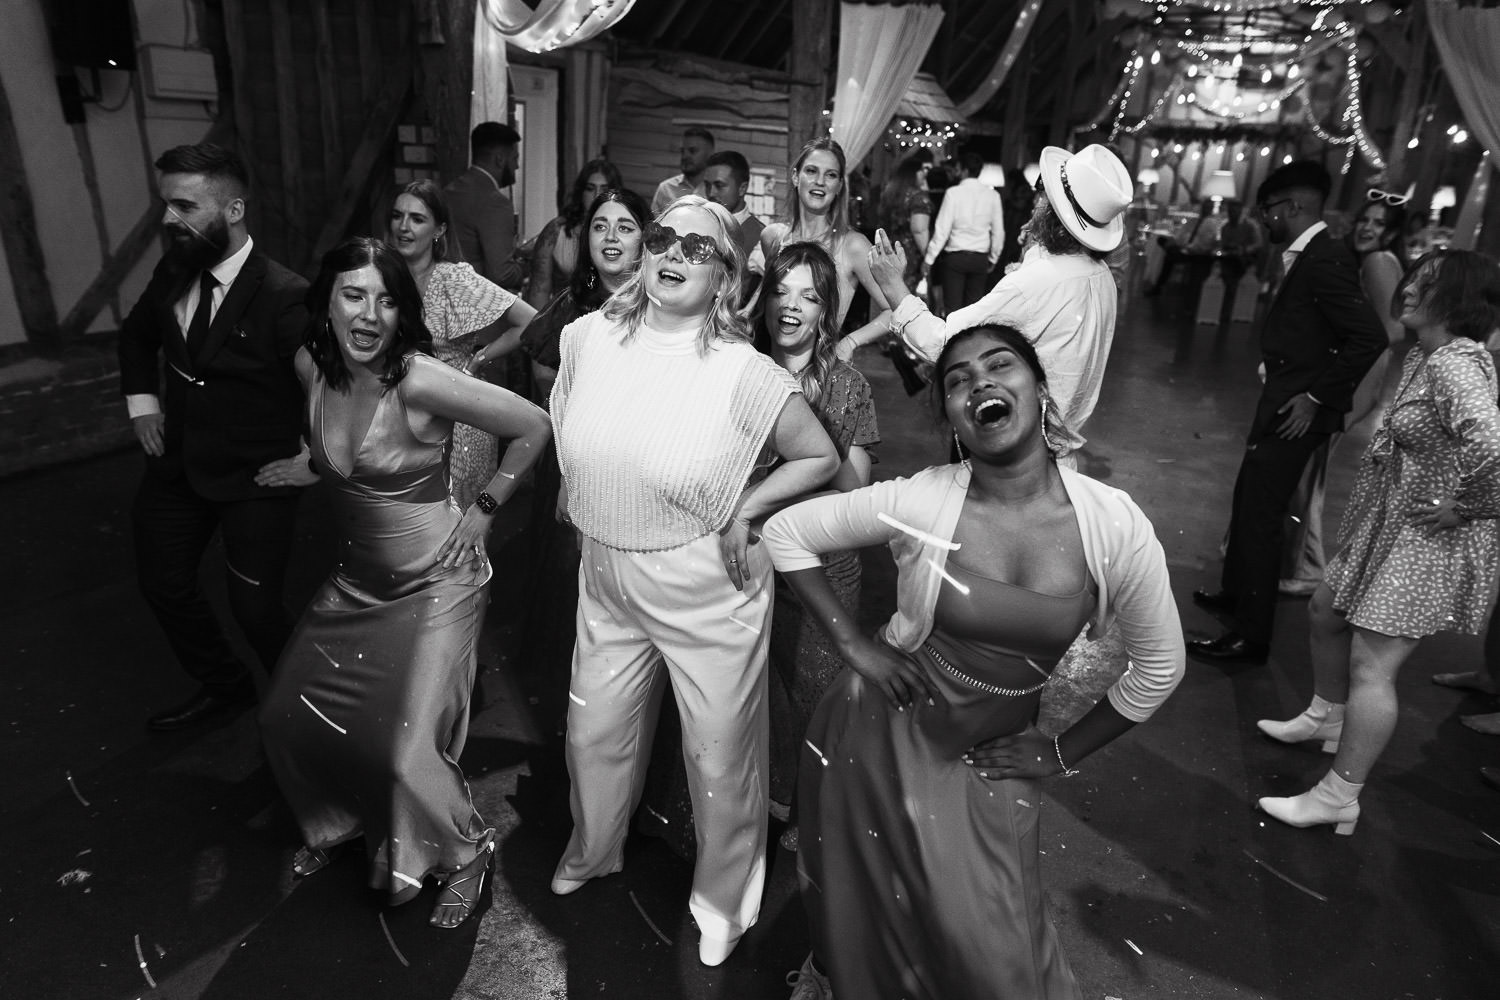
[1318, 339]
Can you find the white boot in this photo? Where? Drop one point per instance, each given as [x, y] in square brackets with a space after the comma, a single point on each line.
[1322, 720]
[1332, 800]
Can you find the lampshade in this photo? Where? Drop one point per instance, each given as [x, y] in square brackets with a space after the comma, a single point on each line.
[1220, 185]
[1032, 171]
[993, 175]
[1444, 197]
[1149, 176]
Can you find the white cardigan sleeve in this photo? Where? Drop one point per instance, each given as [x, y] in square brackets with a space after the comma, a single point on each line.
[1141, 602]
[798, 535]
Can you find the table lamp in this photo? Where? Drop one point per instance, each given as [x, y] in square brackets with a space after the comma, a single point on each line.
[1444, 197]
[1219, 188]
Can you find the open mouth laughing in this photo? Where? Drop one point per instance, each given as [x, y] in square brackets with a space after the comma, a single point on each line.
[992, 411]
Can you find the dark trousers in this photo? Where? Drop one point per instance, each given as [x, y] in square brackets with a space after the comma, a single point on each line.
[965, 278]
[1268, 477]
[173, 526]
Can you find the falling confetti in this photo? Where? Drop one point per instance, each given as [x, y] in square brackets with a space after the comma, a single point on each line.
[576, 700]
[1289, 881]
[744, 624]
[921, 536]
[76, 793]
[1134, 948]
[649, 922]
[962, 588]
[817, 751]
[141, 959]
[74, 877]
[320, 715]
[1490, 839]
[392, 941]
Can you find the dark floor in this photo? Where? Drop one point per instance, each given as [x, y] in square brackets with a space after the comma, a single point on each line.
[1162, 879]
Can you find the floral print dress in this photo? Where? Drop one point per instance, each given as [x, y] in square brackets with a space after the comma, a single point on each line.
[1440, 439]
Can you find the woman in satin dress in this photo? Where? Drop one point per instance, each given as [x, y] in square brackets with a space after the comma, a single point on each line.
[368, 709]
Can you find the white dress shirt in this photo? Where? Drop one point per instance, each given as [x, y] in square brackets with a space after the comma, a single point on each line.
[1289, 255]
[1064, 304]
[225, 271]
[971, 219]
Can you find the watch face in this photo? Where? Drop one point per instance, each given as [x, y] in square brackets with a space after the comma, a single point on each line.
[486, 503]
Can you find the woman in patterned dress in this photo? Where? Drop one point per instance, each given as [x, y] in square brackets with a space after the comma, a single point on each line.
[1418, 551]
[464, 312]
[795, 326]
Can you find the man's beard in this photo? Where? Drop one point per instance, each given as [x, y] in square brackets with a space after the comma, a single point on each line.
[191, 250]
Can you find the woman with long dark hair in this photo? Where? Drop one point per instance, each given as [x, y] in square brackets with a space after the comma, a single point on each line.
[473, 321]
[1418, 552]
[906, 212]
[368, 709]
[919, 833]
[560, 246]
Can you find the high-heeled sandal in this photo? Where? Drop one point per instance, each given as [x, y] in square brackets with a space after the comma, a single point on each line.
[474, 872]
[314, 859]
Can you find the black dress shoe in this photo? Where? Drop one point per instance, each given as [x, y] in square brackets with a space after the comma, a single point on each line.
[1213, 600]
[1231, 647]
[200, 707]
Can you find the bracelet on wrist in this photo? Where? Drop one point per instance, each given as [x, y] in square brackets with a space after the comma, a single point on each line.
[1067, 772]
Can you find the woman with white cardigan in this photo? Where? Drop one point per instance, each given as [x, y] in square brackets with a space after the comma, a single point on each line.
[918, 840]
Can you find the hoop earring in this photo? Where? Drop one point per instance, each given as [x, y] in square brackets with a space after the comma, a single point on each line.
[590, 283]
[959, 445]
[1047, 437]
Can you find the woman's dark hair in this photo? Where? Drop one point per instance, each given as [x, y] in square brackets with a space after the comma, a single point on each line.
[573, 210]
[905, 179]
[1006, 335]
[1392, 231]
[825, 277]
[1463, 293]
[411, 332]
[587, 289]
[428, 193]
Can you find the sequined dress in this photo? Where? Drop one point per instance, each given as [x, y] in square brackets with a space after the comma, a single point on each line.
[1440, 438]
[368, 708]
[920, 878]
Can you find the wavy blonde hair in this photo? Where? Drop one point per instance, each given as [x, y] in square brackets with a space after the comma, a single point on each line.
[838, 212]
[722, 321]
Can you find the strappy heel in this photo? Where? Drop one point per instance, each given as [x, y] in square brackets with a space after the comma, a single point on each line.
[309, 860]
[474, 872]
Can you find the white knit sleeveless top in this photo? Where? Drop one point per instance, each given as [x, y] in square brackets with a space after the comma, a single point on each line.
[656, 442]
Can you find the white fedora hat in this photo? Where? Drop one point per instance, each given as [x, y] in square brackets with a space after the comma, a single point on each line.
[1089, 190]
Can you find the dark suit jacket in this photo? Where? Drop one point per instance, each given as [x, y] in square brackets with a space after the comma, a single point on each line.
[483, 222]
[1320, 336]
[235, 406]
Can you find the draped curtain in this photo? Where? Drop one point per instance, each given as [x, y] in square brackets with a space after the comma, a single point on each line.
[998, 72]
[1468, 39]
[553, 24]
[880, 49]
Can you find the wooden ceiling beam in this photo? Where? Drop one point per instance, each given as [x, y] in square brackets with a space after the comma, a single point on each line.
[989, 47]
[732, 34]
[744, 53]
[665, 21]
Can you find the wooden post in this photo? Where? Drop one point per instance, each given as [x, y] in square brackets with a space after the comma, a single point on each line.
[812, 59]
[1013, 138]
[445, 78]
[18, 234]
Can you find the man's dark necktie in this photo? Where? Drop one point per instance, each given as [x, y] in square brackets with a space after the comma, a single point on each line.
[197, 331]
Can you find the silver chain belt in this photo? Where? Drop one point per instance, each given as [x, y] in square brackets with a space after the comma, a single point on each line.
[942, 661]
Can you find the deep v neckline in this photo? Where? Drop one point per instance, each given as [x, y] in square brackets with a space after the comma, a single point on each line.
[359, 449]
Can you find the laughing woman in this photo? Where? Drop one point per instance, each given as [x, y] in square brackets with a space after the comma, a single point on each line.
[473, 321]
[919, 844]
[661, 408]
[369, 707]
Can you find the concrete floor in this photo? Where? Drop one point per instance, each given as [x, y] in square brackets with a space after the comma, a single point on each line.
[1162, 879]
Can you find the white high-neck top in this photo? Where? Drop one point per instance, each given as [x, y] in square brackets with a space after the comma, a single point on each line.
[656, 442]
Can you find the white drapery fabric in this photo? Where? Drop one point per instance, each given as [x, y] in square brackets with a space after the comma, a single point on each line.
[1468, 39]
[997, 74]
[881, 48]
[553, 24]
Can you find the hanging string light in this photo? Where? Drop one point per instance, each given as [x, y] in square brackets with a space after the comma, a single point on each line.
[1133, 74]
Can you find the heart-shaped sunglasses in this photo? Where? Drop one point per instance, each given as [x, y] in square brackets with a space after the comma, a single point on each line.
[695, 247]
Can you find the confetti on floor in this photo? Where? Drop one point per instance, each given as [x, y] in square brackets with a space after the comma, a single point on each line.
[392, 941]
[1289, 881]
[141, 959]
[649, 922]
[76, 793]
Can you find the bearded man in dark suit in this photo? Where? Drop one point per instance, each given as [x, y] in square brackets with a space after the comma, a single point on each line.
[1319, 338]
[206, 370]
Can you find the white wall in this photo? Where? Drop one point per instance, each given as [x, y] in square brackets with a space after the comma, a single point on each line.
[124, 143]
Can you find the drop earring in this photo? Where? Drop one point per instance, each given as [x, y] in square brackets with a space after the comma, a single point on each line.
[1047, 437]
[958, 447]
